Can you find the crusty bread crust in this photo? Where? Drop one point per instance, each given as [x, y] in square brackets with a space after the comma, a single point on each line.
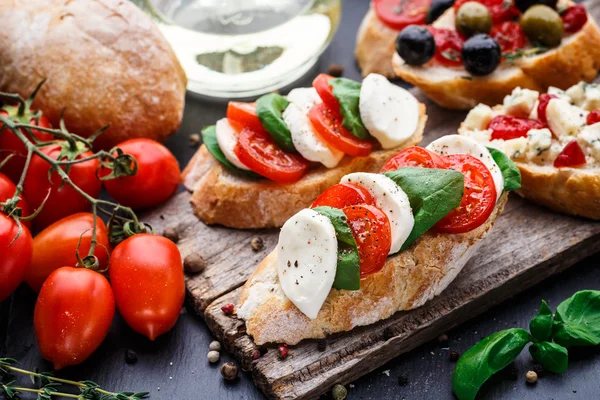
[106, 63]
[578, 58]
[407, 281]
[221, 197]
[375, 45]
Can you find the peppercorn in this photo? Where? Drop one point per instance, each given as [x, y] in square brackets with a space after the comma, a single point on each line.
[256, 355]
[282, 351]
[194, 139]
[194, 263]
[214, 345]
[257, 244]
[322, 345]
[171, 234]
[531, 377]
[335, 70]
[130, 357]
[229, 371]
[402, 380]
[443, 339]
[339, 392]
[213, 356]
[454, 355]
[228, 308]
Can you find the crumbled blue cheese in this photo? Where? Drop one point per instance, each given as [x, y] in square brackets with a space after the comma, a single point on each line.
[559, 93]
[520, 102]
[480, 135]
[592, 97]
[514, 148]
[479, 117]
[577, 93]
[565, 119]
[590, 136]
[539, 141]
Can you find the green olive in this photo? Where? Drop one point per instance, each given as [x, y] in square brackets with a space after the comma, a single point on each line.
[542, 25]
[473, 17]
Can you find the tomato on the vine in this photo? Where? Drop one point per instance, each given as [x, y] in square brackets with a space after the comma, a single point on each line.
[147, 279]
[343, 195]
[72, 315]
[7, 190]
[414, 157]
[156, 180]
[15, 255]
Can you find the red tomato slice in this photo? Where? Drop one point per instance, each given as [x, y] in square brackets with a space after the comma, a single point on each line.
[478, 199]
[344, 195]
[328, 125]
[506, 127]
[372, 232]
[448, 44]
[500, 10]
[259, 152]
[593, 117]
[574, 18]
[570, 156]
[321, 84]
[244, 114]
[414, 157]
[509, 35]
[543, 101]
[398, 14]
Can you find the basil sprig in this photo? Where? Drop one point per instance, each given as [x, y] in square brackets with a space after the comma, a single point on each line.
[432, 194]
[269, 109]
[575, 323]
[209, 138]
[347, 274]
[510, 171]
[347, 92]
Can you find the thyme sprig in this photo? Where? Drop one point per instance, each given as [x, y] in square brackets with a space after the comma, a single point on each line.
[520, 53]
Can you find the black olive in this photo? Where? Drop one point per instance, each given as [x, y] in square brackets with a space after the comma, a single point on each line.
[481, 54]
[523, 5]
[415, 44]
[436, 9]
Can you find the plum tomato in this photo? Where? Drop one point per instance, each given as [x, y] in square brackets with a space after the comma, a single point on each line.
[398, 14]
[16, 257]
[574, 18]
[506, 127]
[570, 156]
[414, 157]
[7, 190]
[343, 195]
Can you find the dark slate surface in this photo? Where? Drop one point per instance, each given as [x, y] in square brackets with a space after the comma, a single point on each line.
[175, 366]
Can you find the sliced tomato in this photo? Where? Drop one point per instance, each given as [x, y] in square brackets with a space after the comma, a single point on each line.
[328, 125]
[344, 195]
[414, 157]
[448, 44]
[593, 117]
[321, 84]
[570, 156]
[244, 114]
[509, 35]
[506, 127]
[398, 14]
[372, 232]
[574, 18]
[479, 198]
[543, 101]
[258, 151]
[500, 10]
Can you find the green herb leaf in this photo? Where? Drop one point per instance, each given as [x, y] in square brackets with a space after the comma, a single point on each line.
[347, 92]
[209, 138]
[347, 274]
[541, 325]
[510, 171]
[432, 193]
[269, 109]
[552, 356]
[577, 320]
[487, 357]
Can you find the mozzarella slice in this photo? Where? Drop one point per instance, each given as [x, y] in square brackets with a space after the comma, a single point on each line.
[455, 144]
[390, 199]
[390, 113]
[308, 143]
[307, 260]
[227, 138]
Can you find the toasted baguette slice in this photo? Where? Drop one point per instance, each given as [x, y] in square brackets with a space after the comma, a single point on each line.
[408, 280]
[576, 59]
[375, 46]
[221, 197]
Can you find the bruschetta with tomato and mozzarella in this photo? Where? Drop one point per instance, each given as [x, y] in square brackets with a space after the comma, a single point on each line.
[479, 51]
[554, 139]
[269, 159]
[378, 243]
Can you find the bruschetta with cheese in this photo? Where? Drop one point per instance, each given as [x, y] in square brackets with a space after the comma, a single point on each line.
[554, 139]
[378, 243]
[479, 51]
[267, 160]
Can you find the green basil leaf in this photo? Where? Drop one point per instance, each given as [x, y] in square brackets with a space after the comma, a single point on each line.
[347, 92]
[487, 357]
[541, 325]
[347, 274]
[432, 193]
[209, 138]
[510, 171]
[552, 356]
[577, 320]
[269, 109]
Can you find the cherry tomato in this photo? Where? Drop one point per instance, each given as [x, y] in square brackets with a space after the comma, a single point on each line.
[543, 101]
[574, 18]
[260, 153]
[321, 84]
[343, 195]
[156, 180]
[398, 14]
[65, 201]
[372, 232]
[7, 191]
[509, 35]
[479, 198]
[570, 156]
[500, 10]
[72, 315]
[244, 114]
[506, 127]
[414, 157]
[14, 258]
[147, 279]
[328, 125]
[10, 143]
[448, 44]
[55, 246]
[593, 117]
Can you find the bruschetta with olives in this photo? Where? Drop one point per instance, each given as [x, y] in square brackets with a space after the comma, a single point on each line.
[378, 243]
[267, 160]
[479, 51]
[554, 139]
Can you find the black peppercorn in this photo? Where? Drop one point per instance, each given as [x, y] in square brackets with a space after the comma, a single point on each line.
[130, 357]
[454, 355]
[402, 380]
